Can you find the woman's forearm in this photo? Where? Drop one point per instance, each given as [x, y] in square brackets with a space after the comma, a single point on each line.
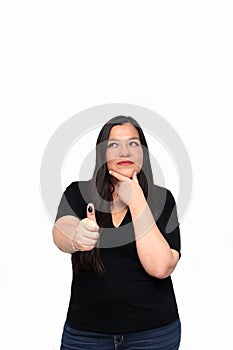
[63, 231]
[155, 254]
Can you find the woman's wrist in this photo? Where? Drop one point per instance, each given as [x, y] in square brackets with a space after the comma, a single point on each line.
[74, 243]
[138, 205]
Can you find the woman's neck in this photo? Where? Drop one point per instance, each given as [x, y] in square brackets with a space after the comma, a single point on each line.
[117, 204]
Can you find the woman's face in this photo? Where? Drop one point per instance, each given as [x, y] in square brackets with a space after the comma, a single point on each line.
[124, 150]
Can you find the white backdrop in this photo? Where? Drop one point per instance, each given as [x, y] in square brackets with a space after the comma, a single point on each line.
[61, 57]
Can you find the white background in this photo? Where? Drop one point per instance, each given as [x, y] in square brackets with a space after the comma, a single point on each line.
[61, 57]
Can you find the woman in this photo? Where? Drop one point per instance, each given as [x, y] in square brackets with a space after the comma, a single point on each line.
[123, 234]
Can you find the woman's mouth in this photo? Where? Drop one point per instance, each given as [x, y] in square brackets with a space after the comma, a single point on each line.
[125, 163]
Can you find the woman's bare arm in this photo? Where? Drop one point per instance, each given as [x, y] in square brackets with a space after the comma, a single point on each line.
[63, 231]
[154, 252]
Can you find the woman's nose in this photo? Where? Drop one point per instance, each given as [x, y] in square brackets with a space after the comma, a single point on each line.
[124, 151]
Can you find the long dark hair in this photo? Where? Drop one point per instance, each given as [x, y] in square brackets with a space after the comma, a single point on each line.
[101, 186]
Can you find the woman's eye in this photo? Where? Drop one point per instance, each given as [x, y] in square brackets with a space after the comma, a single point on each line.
[112, 145]
[134, 144]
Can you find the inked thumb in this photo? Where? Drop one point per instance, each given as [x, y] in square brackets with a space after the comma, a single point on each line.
[91, 212]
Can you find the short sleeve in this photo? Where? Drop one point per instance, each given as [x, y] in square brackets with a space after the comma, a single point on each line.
[72, 202]
[168, 222]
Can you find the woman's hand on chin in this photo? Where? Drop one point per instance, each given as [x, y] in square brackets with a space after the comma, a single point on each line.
[128, 190]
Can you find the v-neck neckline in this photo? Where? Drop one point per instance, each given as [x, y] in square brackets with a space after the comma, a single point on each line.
[122, 221]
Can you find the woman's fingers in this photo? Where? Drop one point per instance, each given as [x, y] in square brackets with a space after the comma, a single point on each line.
[87, 241]
[134, 178]
[86, 232]
[118, 176]
[123, 178]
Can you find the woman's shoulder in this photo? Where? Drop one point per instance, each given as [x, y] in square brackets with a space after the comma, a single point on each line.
[160, 190]
[161, 195]
[77, 185]
[78, 189]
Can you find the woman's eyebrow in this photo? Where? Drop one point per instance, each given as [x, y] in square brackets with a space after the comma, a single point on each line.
[127, 139]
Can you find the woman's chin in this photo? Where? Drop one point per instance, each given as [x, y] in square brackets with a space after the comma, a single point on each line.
[127, 172]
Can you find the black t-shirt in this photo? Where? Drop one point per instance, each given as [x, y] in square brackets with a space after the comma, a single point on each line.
[128, 299]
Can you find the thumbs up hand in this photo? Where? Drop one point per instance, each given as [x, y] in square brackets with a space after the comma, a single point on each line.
[87, 232]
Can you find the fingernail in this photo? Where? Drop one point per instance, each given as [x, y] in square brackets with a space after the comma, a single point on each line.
[90, 209]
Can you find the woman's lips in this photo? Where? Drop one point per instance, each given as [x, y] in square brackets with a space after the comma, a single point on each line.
[125, 163]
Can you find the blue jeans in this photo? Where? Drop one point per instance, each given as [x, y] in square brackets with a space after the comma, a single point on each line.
[164, 338]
